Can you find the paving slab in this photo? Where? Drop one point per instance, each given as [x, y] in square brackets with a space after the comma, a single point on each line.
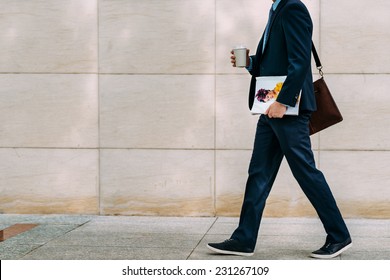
[44, 219]
[105, 253]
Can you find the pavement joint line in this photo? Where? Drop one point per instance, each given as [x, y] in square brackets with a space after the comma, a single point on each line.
[204, 235]
[14, 230]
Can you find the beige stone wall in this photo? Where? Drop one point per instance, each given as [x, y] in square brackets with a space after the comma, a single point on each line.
[130, 107]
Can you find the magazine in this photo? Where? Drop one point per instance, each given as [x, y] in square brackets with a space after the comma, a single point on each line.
[267, 90]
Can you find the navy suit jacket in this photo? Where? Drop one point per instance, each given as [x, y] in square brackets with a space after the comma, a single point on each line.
[287, 52]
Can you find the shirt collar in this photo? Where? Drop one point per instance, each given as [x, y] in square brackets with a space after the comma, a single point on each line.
[275, 4]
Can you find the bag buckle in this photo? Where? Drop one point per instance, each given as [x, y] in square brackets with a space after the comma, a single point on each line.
[320, 71]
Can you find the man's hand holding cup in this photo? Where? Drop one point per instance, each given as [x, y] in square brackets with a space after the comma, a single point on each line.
[240, 57]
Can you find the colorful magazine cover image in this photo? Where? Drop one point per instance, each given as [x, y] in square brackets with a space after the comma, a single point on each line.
[265, 95]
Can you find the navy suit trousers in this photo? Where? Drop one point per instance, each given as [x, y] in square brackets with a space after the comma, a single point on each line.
[289, 137]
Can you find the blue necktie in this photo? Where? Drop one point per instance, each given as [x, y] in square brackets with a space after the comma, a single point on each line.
[271, 14]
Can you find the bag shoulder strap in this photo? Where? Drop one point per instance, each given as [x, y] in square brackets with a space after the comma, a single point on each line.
[316, 58]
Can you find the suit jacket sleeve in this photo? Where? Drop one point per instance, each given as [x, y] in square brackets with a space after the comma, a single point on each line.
[297, 26]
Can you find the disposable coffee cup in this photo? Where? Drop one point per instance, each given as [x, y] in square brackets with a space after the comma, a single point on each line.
[240, 54]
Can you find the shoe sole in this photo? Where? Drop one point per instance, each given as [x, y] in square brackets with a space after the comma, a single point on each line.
[333, 255]
[229, 252]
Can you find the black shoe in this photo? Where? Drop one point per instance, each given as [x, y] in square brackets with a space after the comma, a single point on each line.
[331, 250]
[230, 247]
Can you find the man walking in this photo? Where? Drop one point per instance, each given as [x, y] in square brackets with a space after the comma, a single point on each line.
[285, 50]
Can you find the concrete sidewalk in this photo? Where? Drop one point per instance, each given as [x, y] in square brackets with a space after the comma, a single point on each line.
[70, 237]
